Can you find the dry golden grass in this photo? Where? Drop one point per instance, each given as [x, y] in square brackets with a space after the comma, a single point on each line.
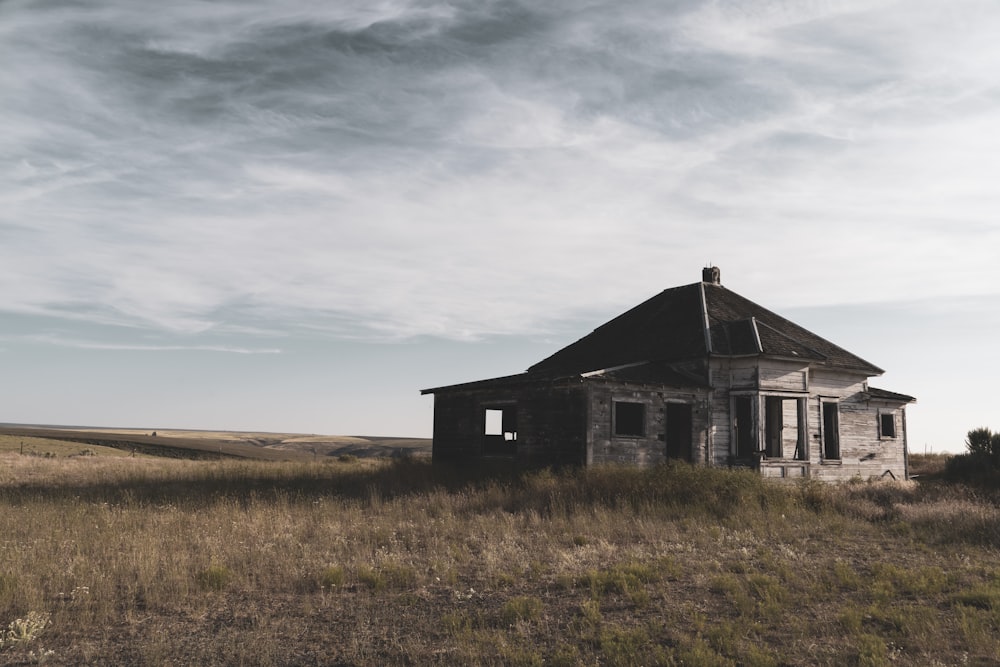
[928, 465]
[151, 561]
[46, 447]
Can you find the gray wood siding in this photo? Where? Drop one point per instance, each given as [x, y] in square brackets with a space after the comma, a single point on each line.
[783, 379]
[862, 453]
[573, 422]
[650, 448]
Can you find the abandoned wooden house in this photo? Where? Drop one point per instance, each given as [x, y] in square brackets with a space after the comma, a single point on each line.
[696, 373]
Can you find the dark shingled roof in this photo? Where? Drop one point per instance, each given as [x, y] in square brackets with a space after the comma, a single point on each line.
[649, 372]
[886, 395]
[779, 337]
[505, 382]
[671, 327]
[668, 327]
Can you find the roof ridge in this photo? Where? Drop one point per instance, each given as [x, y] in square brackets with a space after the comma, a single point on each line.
[641, 304]
[704, 319]
[819, 354]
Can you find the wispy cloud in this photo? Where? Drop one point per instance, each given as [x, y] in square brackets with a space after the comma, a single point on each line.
[393, 169]
[60, 341]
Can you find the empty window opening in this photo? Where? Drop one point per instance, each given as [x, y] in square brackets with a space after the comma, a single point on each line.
[494, 422]
[678, 431]
[630, 419]
[831, 431]
[500, 431]
[887, 425]
[774, 421]
[801, 429]
[784, 420]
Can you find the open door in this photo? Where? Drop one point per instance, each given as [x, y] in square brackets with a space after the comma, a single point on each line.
[678, 431]
[743, 427]
[774, 425]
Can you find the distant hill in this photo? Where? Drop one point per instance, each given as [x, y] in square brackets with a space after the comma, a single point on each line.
[178, 443]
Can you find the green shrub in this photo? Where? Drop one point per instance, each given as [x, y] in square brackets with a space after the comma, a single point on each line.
[590, 616]
[982, 462]
[981, 597]
[517, 656]
[983, 442]
[973, 469]
[851, 618]
[872, 652]
[626, 578]
[521, 609]
[8, 584]
[624, 646]
[701, 654]
[215, 577]
[332, 577]
[388, 576]
[457, 623]
[565, 655]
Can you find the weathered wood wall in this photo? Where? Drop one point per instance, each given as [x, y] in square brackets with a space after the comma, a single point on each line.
[551, 423]
[649, 449]
[862, 451]
[572, 422]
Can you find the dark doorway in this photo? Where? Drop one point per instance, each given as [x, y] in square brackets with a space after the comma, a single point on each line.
[774, 424]
[831, 431]
[743, 422]
[678, 431]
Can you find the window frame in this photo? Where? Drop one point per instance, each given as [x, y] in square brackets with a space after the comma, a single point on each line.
[891, 416]
[616, 421]
[502, 443]
[825, 444]
[774, 435]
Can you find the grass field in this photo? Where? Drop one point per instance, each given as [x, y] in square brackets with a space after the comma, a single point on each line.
[31, 446]
[370, 562]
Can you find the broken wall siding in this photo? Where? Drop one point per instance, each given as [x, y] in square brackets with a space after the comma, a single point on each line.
[456, 427]
[781, 377]
[651, 447]
[762, 377]
[790, 434]
[552, 426]
[720, 440]
[551, 423]
[862, 450]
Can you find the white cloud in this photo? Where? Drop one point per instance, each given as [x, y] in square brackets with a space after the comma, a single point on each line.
[60, 341]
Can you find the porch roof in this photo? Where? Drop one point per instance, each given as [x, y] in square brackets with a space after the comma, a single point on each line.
[886, 395]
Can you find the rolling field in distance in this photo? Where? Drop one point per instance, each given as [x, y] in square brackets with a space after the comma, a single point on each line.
[176, 443]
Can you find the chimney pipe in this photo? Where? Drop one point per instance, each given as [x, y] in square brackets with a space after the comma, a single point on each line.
[711, 274]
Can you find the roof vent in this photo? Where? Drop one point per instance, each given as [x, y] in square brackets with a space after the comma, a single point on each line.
[711, 274]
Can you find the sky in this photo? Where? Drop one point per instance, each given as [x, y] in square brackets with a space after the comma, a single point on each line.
[293, 215]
